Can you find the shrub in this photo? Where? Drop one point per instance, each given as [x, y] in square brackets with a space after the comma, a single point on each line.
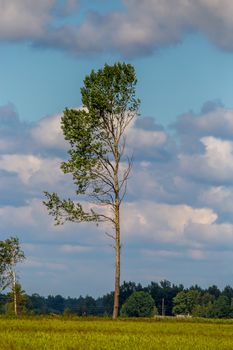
[139, 304]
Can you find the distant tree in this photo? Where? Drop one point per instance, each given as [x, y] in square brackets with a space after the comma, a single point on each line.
[17, 296]
[36, 304]
[163, 294]
[221, 307]
[71, 304]
[228, 292]
[98, 163]
[205, 311]
[55, 304]
[128, 288]
[180, 304]
[204, 304]
[86, 306]
[139, 304]
[196, 287]
[10, 255]
[214, 290]
[185, 301]
[108, 302]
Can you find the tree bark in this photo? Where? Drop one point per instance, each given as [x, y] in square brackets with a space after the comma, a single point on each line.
[14, 293]
[117, 263]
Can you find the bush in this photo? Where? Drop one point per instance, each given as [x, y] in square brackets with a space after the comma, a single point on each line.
[139, 304]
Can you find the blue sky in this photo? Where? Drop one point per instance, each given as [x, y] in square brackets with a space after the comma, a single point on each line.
[177, 220]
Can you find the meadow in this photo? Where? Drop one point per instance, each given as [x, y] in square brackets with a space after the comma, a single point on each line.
[83, 333]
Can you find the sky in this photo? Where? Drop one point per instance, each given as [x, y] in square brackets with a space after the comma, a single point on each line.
[177, 219]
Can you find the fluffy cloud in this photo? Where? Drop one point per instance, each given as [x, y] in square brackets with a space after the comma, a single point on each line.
[218, 235]
[23, 20]
[162, 222]
[148, 25]
[48, 134]
[215, 164]
[147, 143]
[31, 168]
[214, 120]
[139, 28]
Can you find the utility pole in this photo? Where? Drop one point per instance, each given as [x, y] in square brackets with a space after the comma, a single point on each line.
[163, 307]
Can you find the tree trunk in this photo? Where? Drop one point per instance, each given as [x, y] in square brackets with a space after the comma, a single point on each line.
[14, 293]
[117, 266]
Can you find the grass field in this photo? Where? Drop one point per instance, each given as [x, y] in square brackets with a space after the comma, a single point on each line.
[71, 334]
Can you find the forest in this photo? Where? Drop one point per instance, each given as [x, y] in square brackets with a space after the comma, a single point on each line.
[169, 299]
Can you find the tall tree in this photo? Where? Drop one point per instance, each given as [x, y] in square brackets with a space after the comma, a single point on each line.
[97, 158]
[10, 255]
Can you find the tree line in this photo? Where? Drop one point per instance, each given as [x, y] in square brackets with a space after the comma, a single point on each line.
[169, 300]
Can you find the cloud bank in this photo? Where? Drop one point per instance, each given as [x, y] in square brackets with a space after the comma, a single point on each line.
[138, 29]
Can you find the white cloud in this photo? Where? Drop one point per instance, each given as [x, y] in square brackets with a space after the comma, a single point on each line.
[24, 165]
[163, 222]
[213, 120]
[17, 217]
[220, 198]
[141, 139]
[24, 19]
[216, 234]
[215, 164]
[141, 27]
[48, 133]
[31, 168]
[144, 26]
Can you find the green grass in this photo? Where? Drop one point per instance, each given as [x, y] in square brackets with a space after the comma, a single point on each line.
[71, 334]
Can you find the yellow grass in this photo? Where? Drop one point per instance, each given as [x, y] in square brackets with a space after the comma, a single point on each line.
[72, 334]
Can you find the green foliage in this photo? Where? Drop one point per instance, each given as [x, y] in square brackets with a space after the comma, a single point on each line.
[67, 210]
[184, 302]
[205, 311]
[21, 299]
[203, 304]
[10, 251]
[221, 307]
[110, 90]
[10, 254]
[206, 303]
[164, 292]
[139, 304]
[95, 135]
[192, 302]
[214, 291]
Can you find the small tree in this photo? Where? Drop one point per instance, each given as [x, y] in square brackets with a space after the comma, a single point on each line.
[139, 304]
[10, 255]
[19, 298]
[4, 278]
[98, 163]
